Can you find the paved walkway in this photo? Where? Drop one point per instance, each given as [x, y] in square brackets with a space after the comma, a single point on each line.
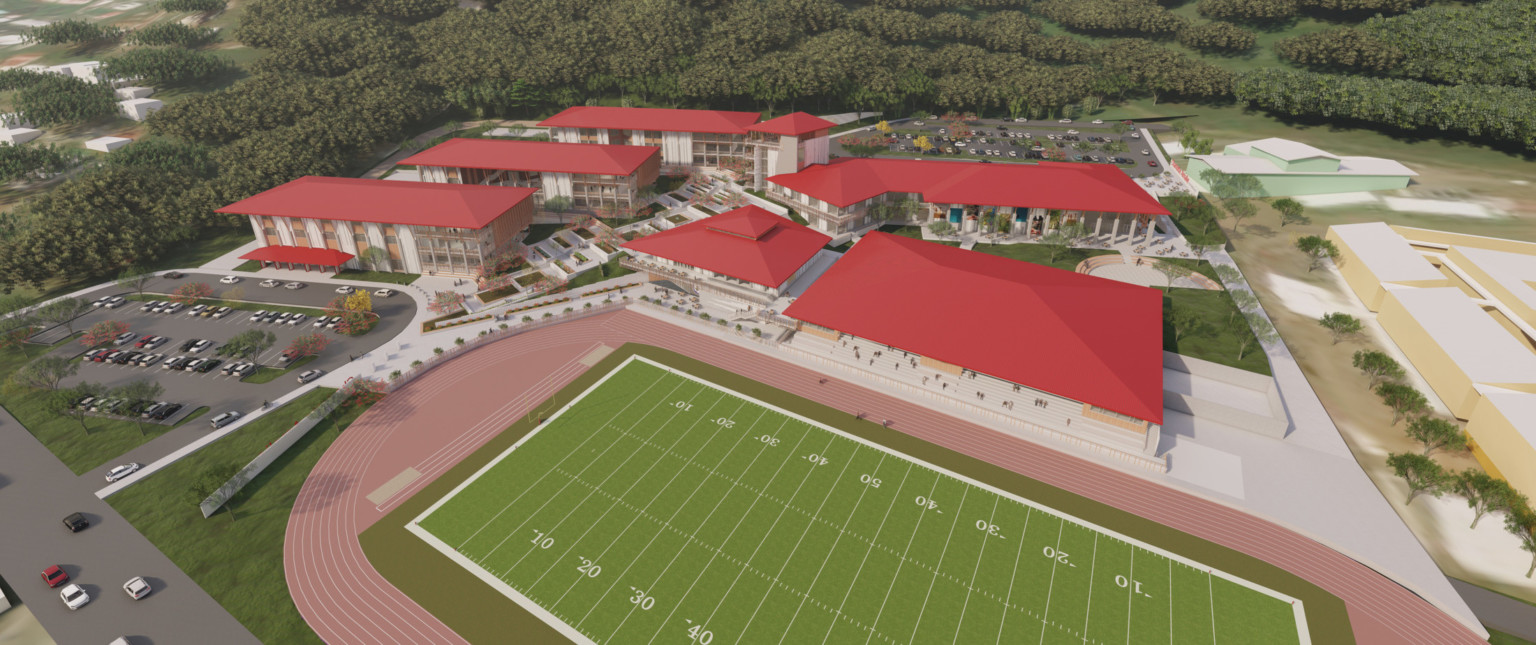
[408, 430]
[36, 492]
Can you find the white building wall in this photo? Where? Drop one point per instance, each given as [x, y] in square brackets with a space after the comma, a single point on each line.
[407, 239]
[565, 135]
[556, 184]
[261, 235]
[816, 151]
[347, 244]
[677, 148]
[315, 234]
[433, 174]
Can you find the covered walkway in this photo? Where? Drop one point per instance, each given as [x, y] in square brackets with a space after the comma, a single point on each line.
[298, 257]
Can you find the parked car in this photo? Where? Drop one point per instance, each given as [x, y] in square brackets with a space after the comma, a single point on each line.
[208, 365]
[384, 293]
[172, 308]
[344, 289]
[224, 419]
[113, 302]
[126, 358]
[1065, 121]
[1152, 163]
[174, 275]
[297, 319]
[201, 345]
[320, 322]
[123, 338]
[229, 368]
[74, 597]
[193, 364]
[55, 576]
[156, 342]
[145, 340]
[269, 283]
[245, 369]
[122, 471]
[188, 345]
[222, 312]
[136, 588]
[287, 355]
[107, 358]
[282, 318]
[148, 306]
[165, 412]
[259, 315]
[149, 412]
[197, 309]
[1146, 152]
[1098, 121]
[91, 355]
[175, 362]
[76, 522]
[229, 279]
[85, 403]
[294, 285]
[310, 375]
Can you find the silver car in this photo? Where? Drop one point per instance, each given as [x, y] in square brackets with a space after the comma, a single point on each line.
[122, 471]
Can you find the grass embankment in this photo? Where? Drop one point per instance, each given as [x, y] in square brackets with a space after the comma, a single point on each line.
[604, 271]
[1066, 259]
[237, 557]
[913, 231]
[269, 374]
[1214, 341]
[378, 276]
[540, 232]
[81, 449]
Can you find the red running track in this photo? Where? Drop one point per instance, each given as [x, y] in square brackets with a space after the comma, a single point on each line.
[439, 419]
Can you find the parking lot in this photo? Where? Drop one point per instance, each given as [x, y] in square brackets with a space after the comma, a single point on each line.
[219, 391]
[998, 141]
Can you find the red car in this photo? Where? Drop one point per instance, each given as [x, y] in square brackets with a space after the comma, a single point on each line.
[1152, 163]
[55, 576]
[145, 340]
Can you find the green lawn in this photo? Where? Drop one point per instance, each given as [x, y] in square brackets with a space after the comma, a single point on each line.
[609, 269]
[541, 232]
[1214, 342]
[1066, 259]
[251, 266]
[234, 304]
[1496, 637]
[751, 525]
[237, 557]
[913, 231]
[269, 374]
[668, 183]
[378, 276]
[81, 449]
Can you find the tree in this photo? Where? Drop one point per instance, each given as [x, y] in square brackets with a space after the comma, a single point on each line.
[1290, 211]
[1184, 321]
[1263, 332]
[203, 6]
[103, 332]
[359, 301]
[1403, 399]
[248, 344]
[375, 258]
[192, 292]
[862, 146]
[1521, 521]
[135, 279]
[166, 66]
[1228, 273]
[1437, 434]
[883, 127]
[1217, 36]
[1484, 493]
[46, 372]
[922, 143]
[1340, 324]
[71, 32]
[1422, 474]
[34, 161]
[1378, 366]
[1317, 249]
[308, 345]
[444, 302]
[210, 481]
[366, 391]
[941, 228]
[63, 311]
[1239, 209]
[139, 390]
[171, 34]
[558, 205]
[62, 402]
[1243, 299]
[1061, 239]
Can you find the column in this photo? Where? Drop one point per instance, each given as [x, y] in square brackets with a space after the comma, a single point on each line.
[1151, 230]
[1098, 225]
[1114, 233]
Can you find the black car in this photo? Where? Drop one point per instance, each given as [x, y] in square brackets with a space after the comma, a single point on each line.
[175, 275]
[208, 365]
[125, 358]
[165, 412]
[187, 346]
[76, 522]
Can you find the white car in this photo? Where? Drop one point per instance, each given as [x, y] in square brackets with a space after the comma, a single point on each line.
[136, 588]
[1072, 132]
[344, 289]
[229, 279]
[1135, 135]
[224, 419]
[114, 302]
[269, 283]
[173, 308]
[1065, 121]
[310, 375]
[74, 597]
[197, 309]
[1098, 121]
[122, 471]
[294, 285]
[384, 293]
[200, 346]
[296, 319]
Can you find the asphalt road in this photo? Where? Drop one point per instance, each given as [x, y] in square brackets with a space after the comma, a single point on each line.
[36, 492]
[1038, 130]
[219, 392]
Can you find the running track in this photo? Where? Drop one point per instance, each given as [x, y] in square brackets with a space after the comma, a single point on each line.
[437, 420]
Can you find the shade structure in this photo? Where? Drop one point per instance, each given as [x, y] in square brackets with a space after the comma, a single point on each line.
[748, 243]
[299, 255]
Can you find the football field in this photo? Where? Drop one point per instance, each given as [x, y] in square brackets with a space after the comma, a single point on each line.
[659, 508]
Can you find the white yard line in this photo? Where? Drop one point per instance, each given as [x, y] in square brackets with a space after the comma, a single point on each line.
[1211, 593]
[942, 552]
[876, 622]
[1051, 586]
[840, 533]
[1130, 597]
[854, 582]
[1008, 600]
[1093, 564]
[970, 587]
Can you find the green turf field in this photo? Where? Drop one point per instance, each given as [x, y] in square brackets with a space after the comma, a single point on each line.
[659, 508]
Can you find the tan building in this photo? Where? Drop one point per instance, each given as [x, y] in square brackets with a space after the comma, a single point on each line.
[594, 177]
[1461, 308]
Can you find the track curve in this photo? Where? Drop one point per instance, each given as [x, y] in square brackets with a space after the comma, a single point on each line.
[432, 423]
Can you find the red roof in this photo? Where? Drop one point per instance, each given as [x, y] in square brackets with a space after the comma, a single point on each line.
[386, 202]
[660, 119]
[793, 124]
[535, 156]
[747, 243]
[1088, 339]
[299, 255]
[1047, 184]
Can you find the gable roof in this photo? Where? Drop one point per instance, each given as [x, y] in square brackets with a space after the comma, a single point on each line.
[535, 156]
[1089, 339]
[1283, 149]
[747, 243]
[793, 124]
[662, 119]
[353, 199]
[1047, 184]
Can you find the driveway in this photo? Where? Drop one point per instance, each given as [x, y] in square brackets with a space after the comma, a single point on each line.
[36, 492]
[219, 392]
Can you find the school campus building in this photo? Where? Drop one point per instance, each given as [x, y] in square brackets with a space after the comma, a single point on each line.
[594, 177]
[748, 254]
[1283, 167]
[840, 197]
[431, 228]
[1462, 309]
